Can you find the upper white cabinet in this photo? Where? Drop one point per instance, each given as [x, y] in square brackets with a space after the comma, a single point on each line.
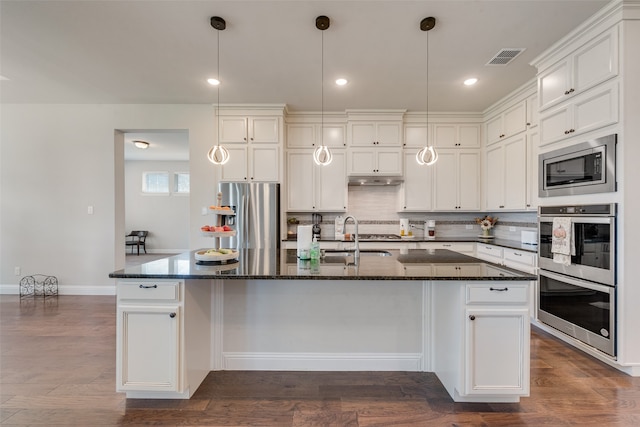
[588, 111]
[313, 187]
[259, 129]
[509, 122]
[451, 135]
[417, 186]
[506, 174]
[378, 161]
[593, 63]
[533, 142]
[374, 133]
[457, 180]
[257, 163]
[309, 135]
[417, 135]
[532, 111]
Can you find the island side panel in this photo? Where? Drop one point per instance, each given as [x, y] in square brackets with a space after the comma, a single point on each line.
[323, 325]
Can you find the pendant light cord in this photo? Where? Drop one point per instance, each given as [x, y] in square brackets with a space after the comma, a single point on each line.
[322, 88]
[218, 87]
[427, 133]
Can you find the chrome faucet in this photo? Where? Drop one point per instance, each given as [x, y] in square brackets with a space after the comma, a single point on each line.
[355, 222]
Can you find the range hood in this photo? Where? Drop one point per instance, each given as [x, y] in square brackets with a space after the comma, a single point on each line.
[375, 180]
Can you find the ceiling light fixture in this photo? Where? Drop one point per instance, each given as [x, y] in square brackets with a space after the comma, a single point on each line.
[428, 154]
[213, 82]
[218, 155]
[342, 82]
[143, 145]
[322, 155]
[471, 81]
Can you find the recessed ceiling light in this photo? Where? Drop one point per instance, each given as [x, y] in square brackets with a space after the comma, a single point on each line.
[341, 82]
[213, 82]
[470, 82]
[143, 145]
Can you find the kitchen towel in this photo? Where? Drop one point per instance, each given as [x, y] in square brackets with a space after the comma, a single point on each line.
[562, 240]
[304, 241]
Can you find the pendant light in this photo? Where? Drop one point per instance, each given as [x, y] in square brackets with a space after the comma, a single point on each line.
[322, 155]
[427, 155]
[218, 155]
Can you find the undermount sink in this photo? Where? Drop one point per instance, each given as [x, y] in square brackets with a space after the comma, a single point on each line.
[351, 252]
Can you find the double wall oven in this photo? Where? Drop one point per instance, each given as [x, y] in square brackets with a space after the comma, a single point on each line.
[578, 297]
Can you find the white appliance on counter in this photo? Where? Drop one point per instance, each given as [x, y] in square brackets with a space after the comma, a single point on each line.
[339, 224]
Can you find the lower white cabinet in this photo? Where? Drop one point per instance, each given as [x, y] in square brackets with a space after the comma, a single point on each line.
[481, 340]
[462, 247]
[161, 346]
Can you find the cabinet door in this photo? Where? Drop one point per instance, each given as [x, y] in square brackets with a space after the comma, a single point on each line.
[595, 109]
[417, 186]
[389, 134]
[362, 134]
[554, 124]
[148, 348]
[497, 351]
[469, 136]
[515, 172]
[532, 111]
[553, 83]
[264, 163]
[469, 180]
[533, 141]
[236, 167]
[333, 134]
[300, 194]
[515, 119]
[416, 135]
[596, 62]
[362, 162]
[445, 181]
[233, 129]
[389, 161]
[301, 135]
[264, 129]
[493, 127]
[445, 135]
[495, 177]
[331, 188]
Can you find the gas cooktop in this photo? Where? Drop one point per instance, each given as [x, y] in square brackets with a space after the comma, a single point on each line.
[378, 237]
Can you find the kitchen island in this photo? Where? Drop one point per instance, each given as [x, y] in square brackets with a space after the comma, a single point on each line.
[402, 310]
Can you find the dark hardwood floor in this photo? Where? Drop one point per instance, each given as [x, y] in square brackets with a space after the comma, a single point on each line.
[57, 368]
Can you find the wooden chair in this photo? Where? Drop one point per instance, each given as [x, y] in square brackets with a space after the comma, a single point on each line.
[137, 239]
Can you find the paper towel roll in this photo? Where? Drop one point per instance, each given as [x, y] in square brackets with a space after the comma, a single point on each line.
[304, 241]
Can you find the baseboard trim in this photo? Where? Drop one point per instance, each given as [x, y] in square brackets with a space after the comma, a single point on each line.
[322, 361]
[66, 290]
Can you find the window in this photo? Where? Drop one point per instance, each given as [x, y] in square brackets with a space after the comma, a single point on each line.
[181, 182]
[155, 182]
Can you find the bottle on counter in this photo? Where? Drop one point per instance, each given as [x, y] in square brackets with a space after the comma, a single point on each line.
[314, 251]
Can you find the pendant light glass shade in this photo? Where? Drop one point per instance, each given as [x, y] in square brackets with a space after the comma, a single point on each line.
[322, 155]
[427, 155]
[218, 155]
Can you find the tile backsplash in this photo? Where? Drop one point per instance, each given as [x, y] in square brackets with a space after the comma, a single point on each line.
[376, 209]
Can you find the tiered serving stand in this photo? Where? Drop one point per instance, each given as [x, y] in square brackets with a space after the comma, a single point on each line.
[204, 258]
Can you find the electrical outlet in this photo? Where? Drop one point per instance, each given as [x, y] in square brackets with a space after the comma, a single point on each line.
[512, 229]
[16, 271]
[469, 227]
[90, 210]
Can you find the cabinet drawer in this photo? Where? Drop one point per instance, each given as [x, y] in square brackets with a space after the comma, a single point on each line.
[457, 247]
[151, 290]
[499, 293]
[522, 257]
[490, 250]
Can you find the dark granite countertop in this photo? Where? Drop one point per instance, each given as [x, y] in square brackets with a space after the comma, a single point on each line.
[282, 264]
[505, 243]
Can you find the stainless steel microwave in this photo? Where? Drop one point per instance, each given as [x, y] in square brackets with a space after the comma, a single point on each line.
[584, 168]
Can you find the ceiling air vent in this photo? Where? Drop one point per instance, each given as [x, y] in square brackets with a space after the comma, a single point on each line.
[505, 56]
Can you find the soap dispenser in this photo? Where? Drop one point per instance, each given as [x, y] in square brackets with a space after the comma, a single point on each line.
[314, 251]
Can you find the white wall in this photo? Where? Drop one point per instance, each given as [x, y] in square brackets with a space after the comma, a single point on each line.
[56, 160]
[166, 217]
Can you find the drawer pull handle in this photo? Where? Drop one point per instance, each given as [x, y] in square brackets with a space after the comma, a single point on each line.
[472, 317]
[148, 286]
[517, 254]
[172, 315]
[499, 289]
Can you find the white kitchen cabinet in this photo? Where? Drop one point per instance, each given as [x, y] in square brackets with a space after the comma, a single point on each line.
[593, 63]
[489, 253]
[514, 258]
[457, 270]
[481, 340]
[466, 248]
[417, 135]
[507, 123]
[155, 357]
[415, 191]
[533, 142]
[258, 129]
[313, 187]
[506, 174]
[457, 180]
[375, 161]
[451, 135]
[588, 111]
[374, 133]
[252, 163]
[532, 111]
[310, 135]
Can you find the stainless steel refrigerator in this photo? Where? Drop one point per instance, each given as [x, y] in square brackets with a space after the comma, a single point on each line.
[257, 219]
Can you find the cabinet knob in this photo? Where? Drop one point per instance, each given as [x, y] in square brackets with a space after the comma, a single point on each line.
[245, 138]
[172, 315]
[472, 317]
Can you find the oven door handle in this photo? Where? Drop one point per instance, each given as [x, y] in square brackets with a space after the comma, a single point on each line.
[579, 219]
[577, 282]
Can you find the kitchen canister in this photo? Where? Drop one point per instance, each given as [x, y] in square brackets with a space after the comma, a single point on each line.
[404, 226]
[305, 236]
